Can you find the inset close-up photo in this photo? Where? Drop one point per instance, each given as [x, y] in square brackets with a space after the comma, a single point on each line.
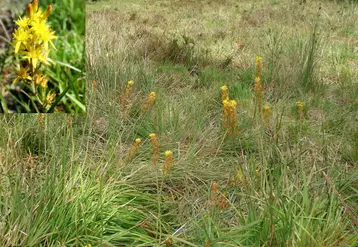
[42, 61]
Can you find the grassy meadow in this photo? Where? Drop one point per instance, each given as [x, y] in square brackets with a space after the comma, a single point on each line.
[278, 167]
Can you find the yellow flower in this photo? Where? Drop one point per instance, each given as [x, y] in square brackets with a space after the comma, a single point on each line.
[214, 188]
[22, 74]
[50, 97]
[224, 93]
[41, 80]
[258, 92]
[300, 104]
[152, 95]
[155, 147]
[127, 92]
[168, 161]
[21, 36]
[258, 66]
[133, 150]
[23, 23]
[43, 32]
[35, 55]
[150, 100]
[230, 116]
[266, 113]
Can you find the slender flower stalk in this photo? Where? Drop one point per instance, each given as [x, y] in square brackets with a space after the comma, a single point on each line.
[150, 100]
[155, 147]
[230, 117]
[224, 93]
[214, 189]
[266, 114]
[124, 98]
[216, 198]
[258, 66]
[258, 92]
[133, 150]
[168, 161]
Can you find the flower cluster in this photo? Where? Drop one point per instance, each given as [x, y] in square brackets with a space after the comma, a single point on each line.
[224, 93]
[134, 150]
[124, 98]
[266, 114]
[150, 100]
[31, 41]
[217, 199]
[32, 37]
[230, 117]
[155, 147]
[258, 92]
[168, 161]
[258, 66]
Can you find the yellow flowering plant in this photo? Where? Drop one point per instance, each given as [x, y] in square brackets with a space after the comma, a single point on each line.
[32, 43]
[42, 58]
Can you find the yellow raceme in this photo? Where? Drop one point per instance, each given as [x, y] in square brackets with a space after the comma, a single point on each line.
[32, 36]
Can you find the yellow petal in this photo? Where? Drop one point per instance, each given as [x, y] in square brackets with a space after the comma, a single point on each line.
[17, 47]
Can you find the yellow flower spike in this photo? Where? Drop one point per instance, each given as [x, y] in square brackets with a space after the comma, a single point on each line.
[133, 150]
[168, 161]
[41, 80]
[214, 188]
[224, 93]
[127, 92]
[266, 113]
[258, 92]
[50, 97]
[150, 100]
[257, 172]
[230, 116]
[233, 103]
[155, 147]
[258, 66]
